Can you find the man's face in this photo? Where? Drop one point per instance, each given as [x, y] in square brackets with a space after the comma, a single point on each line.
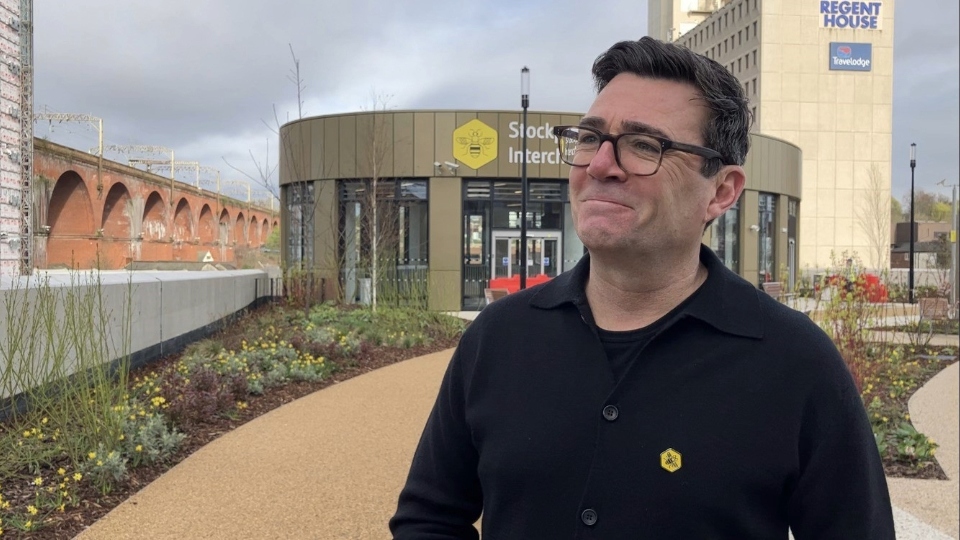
[622, 213]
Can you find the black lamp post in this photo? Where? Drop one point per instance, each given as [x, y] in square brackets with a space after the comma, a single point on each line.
[524, 102]
[913, 165]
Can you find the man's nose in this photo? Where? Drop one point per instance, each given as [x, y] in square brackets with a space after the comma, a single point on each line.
[604, 163]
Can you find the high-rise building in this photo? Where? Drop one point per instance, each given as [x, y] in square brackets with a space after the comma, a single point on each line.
[819, 74]
[16, 134]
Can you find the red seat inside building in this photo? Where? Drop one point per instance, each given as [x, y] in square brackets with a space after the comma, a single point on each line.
[512, 283]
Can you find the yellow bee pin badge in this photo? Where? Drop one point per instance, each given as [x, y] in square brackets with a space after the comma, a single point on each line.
[671, 460]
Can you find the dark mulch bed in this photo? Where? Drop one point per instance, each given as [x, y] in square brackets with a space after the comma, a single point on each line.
[64, 526]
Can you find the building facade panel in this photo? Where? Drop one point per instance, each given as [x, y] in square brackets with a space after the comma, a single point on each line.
[403, 144]
[424, 141]
[328, 165]
[348, 146]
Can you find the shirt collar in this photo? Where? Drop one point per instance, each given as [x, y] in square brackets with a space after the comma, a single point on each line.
[726, 301]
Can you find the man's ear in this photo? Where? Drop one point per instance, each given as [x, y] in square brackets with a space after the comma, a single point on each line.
[728, 184]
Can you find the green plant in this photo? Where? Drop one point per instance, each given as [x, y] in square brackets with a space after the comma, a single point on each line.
[104, 468]
[912, 445]
[881, 438]
[148, 439]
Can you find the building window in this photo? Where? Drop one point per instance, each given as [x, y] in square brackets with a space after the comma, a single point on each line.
[766, 256]
[725, 239]
[384, 240]
[754, 86]
[739, 11]
[755, 34]
[747, 60]
[739, 65]
[755, 59]
[299, 197]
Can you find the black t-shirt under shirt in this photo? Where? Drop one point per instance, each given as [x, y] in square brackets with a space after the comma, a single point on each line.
[623, 347]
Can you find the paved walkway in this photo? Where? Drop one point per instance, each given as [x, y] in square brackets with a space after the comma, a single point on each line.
[330, 466]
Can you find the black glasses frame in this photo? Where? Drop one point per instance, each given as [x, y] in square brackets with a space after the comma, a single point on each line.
[665, 145]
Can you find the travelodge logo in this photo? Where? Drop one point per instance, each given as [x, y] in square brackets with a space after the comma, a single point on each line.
[851, 56]
[475, 144]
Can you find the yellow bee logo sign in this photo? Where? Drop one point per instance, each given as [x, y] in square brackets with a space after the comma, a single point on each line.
[671, 460]
[475, 144]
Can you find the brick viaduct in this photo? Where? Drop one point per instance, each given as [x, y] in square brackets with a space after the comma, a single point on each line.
[87, 216]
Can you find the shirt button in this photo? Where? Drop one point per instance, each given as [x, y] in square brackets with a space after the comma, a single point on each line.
[589, 517]
[610, 413]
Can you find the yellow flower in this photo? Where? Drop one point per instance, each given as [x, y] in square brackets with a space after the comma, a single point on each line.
[77, 477]
[139, 448]
[38, 481]
[26, 434]
[92, 455]
[44, 421]
[61, 471]
[99, 463]
[32, 510]
[28, 525]
[60, 508]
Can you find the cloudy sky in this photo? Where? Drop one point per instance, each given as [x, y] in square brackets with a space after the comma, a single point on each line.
[206, 77]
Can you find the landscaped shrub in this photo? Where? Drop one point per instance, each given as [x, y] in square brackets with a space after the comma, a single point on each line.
[199, 394]
[149, 439]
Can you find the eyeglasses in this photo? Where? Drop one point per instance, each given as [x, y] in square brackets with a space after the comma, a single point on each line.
[636, 153]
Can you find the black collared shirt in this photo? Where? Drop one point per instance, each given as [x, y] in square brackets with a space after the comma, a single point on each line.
[742, 420]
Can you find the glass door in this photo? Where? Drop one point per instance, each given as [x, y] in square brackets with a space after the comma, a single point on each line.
[543, 258]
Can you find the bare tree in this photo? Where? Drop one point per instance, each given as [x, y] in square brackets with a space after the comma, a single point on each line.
[300, 196]
[873, 216]
[382, 209]
[264, 171]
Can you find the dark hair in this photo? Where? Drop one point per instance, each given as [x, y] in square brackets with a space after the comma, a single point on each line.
[726, 130]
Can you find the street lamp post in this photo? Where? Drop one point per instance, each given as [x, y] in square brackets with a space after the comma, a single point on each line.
[913, 165]
[524, 103]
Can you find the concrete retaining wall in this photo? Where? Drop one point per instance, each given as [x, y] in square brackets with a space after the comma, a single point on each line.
[60, 315]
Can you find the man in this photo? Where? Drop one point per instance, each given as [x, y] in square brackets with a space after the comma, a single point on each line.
[649, 393]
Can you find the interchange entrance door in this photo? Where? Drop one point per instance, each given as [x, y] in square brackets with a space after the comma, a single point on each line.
[543, 255]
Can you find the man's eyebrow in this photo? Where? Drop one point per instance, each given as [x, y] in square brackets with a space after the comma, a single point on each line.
[594, 122]
[626, 126]
[629, 126]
